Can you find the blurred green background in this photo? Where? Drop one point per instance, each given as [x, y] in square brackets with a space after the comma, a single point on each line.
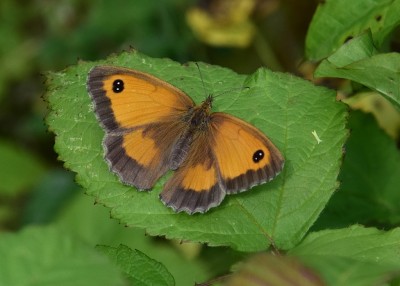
[40, 36]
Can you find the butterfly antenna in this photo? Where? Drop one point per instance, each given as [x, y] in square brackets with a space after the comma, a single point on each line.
[202, 80]
[212, 96]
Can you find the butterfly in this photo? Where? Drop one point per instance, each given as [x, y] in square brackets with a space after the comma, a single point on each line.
[152, 127]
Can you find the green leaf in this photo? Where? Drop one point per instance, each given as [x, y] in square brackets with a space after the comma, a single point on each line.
[336, 21]
[357, 49]
[353, 256]
[19, 169]
[358, 62]
[139, 267]
[285, 108]
[391, 21]
[92, 224]
[369, 192]
[48, 256]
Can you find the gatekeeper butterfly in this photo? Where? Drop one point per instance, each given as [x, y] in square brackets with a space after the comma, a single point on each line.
[152, 127]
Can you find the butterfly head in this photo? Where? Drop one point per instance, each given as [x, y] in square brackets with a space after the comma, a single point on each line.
[199, 116]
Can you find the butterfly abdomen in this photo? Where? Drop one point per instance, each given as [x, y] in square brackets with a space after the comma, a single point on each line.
[181, 149]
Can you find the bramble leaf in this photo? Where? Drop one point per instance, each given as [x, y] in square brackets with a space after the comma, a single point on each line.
[50, 256]
[352, 256]
[287, 109]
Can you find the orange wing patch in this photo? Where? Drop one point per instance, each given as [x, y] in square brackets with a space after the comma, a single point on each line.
[142, 149]
[141, 102]
[194, 187]
[125, 98]
[244, 155]
[200, 178]
[235, 148]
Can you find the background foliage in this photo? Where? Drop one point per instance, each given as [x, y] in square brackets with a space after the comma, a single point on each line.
[57, 236]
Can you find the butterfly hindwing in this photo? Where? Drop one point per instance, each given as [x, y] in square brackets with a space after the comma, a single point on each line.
[195, 186]
[137, 156]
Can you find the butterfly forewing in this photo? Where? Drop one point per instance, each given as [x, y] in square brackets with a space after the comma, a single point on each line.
[244, 155]
[141, 115]
[124, 98]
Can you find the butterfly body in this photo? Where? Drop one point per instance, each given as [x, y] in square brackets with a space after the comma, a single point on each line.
[196, 120]
[152, 127]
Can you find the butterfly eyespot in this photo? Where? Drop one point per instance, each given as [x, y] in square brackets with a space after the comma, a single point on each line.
[258, 156]
[118, 86]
